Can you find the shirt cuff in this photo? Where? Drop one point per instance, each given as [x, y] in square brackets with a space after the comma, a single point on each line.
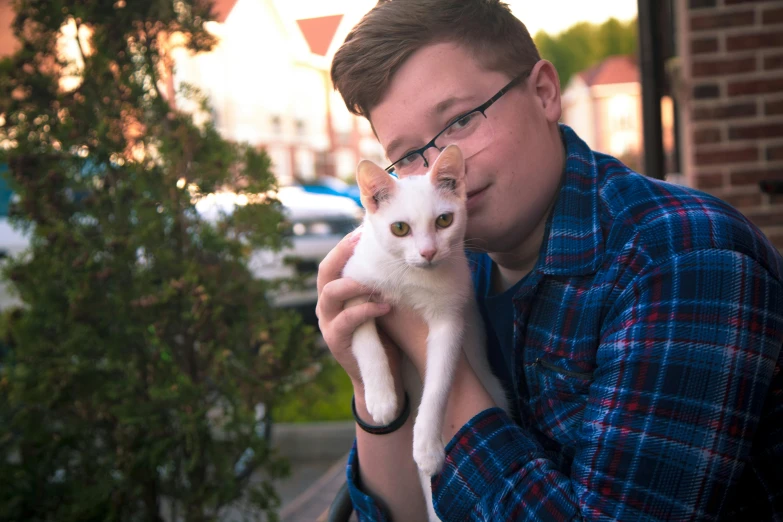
[365, 506]
[482, 453]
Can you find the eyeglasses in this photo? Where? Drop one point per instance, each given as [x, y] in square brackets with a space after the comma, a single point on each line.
[471, 131]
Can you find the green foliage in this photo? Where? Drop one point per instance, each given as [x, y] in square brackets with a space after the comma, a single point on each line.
[130, 376]
[584, 45]
[325, 397]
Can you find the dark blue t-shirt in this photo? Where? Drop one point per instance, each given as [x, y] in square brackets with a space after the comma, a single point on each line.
[497, 311]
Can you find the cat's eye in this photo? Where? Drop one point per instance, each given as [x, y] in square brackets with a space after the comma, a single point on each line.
[400, 229]
[444, 220]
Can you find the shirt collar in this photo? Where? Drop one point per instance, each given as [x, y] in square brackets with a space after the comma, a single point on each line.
[573, 241]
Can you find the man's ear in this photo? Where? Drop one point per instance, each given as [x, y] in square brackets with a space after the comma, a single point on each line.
[375, 184]
[545, 85]
[448, 171]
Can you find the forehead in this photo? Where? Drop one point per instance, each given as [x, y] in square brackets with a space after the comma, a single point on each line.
[427, 89]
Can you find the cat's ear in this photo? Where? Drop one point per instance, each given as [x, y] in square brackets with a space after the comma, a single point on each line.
[448, 171]
[375, 184]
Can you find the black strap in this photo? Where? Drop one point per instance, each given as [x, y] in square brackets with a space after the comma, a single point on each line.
[341, 508]
[389, 428]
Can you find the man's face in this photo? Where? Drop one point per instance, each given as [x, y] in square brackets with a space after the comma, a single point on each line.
[512, 181]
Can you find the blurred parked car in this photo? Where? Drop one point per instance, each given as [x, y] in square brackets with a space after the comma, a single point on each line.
[12, 241]
[315, 224]
[333, 186]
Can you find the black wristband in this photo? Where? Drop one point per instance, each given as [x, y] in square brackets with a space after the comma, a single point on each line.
[389, 428]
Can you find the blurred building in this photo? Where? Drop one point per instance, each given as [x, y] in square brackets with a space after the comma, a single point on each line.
[603, 105]
[8, 43]
[268, 83]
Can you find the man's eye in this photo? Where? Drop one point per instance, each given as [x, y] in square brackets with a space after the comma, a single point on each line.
[409, 163]
[463, 124]
[408, 160]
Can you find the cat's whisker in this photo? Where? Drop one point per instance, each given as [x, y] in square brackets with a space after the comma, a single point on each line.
[390, 276]
[475, 245]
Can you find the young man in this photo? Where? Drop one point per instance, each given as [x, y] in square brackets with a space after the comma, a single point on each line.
[637, 325]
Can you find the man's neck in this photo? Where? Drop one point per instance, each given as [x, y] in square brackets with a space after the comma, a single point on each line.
[505, 278]
[512, 266]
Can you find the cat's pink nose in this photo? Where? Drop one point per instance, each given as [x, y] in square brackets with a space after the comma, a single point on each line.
[428, 254]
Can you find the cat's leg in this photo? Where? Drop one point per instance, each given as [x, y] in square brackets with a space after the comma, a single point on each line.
[426, 486]
[379, 394]
[444, 345]
[412, 383]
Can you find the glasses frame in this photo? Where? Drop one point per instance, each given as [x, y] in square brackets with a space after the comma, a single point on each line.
[481, 109]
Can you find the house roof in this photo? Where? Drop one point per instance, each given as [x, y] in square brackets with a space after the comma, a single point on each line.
[222, 8]
[614, 69]
[319, 32]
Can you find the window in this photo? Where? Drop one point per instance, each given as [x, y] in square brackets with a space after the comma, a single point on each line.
[621, 112]
[305, 164]
[277, 125]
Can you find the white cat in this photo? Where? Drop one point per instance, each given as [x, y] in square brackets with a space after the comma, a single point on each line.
[411, 253]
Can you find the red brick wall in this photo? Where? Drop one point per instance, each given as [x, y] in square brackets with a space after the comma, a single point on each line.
[733, 61]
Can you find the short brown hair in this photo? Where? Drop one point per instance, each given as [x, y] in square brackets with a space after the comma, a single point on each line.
[395, 29]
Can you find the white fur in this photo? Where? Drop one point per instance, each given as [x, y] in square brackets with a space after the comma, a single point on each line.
[441, 292]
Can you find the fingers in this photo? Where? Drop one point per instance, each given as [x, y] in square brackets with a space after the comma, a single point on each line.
[331, 267]
[350, 319]
[335, 293]
[338, 334]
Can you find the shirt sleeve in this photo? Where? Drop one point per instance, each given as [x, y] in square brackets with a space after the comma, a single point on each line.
[366, 507]
[686, 356]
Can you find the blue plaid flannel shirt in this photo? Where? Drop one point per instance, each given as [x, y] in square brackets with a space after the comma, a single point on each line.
[647, 366]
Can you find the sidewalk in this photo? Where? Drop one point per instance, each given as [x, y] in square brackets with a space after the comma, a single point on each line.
[318, 453]
[312, 505]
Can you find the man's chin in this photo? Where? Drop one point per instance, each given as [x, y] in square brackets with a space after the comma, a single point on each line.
[475, 238]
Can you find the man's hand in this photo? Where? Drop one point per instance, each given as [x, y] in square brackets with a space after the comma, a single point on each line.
[337, 323]
[407, 329]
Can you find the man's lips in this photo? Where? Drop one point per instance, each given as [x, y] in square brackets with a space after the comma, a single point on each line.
[476, 191]
[475, 195]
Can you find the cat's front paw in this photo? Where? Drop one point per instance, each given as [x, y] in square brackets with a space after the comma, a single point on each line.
[429, 454]
[382, 405]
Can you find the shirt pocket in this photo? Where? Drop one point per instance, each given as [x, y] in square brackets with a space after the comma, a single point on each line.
[563, 386]
[562, 379]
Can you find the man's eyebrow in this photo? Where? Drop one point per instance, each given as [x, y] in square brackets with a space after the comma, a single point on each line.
[439, 108]
[393, 146]
[446, 104]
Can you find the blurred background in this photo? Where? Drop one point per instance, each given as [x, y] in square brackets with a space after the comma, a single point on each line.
[690, 91]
